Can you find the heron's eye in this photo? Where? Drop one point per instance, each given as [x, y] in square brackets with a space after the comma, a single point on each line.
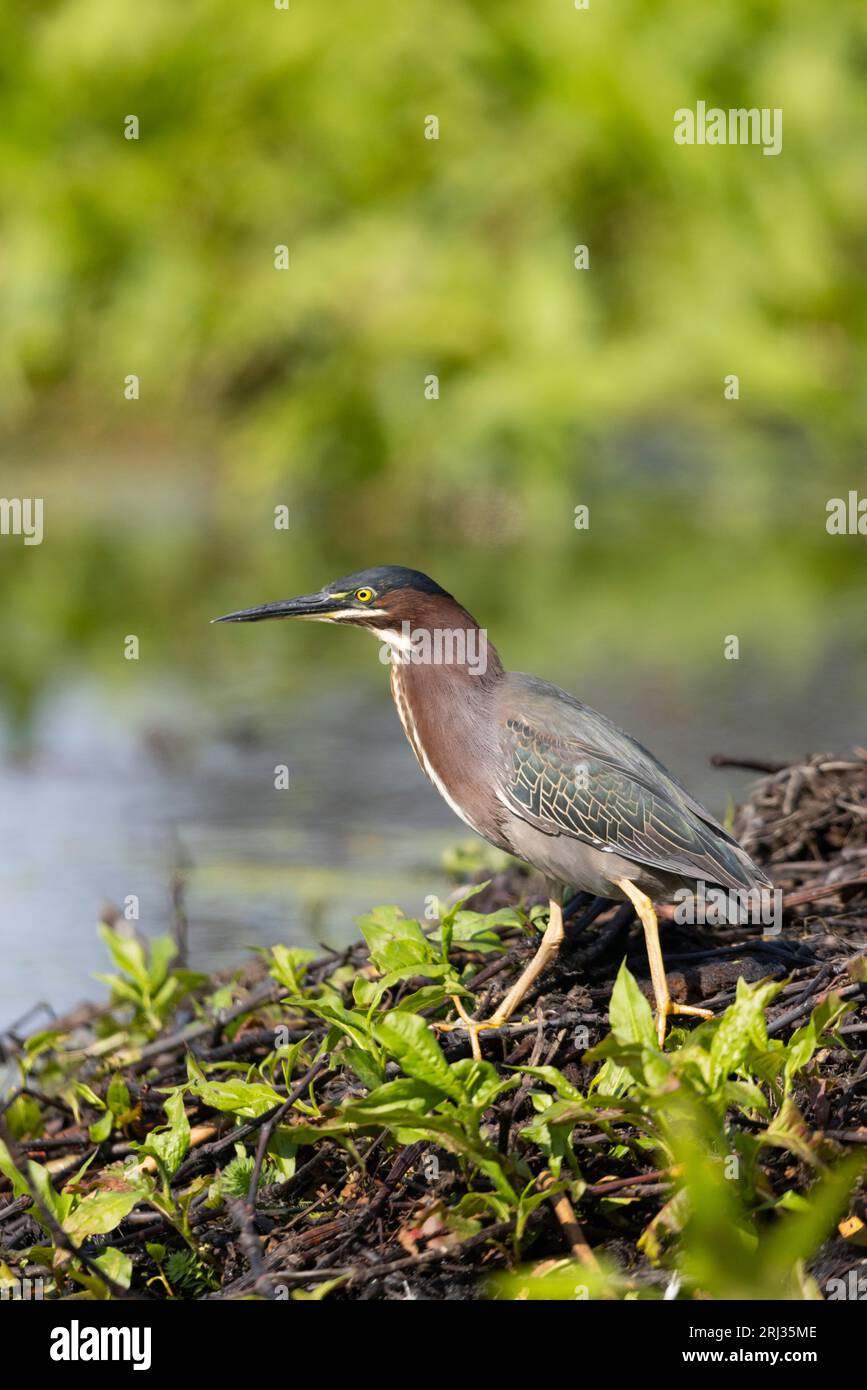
[364, 595]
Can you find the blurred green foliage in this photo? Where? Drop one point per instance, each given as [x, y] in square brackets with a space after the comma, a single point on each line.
[262, 127]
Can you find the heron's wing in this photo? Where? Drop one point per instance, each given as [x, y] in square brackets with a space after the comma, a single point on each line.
[573, 781]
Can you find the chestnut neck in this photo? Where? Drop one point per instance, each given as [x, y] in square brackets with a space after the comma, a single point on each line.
[437, 643]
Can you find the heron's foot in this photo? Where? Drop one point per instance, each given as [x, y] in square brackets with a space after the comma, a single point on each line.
[665, 1005]
[669, 1007]
[473, 1026]
[547, 952]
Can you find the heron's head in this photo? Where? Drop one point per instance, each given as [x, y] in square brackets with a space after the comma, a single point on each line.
[380, 599]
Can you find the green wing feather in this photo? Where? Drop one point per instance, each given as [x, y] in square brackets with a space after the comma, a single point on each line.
[561, 786]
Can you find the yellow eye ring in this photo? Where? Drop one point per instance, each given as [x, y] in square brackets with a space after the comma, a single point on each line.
[364, 595]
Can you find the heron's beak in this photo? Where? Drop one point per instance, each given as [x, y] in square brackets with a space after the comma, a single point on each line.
[307, 606]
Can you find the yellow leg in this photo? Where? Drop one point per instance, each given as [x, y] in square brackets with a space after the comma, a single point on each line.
[664, 1003]
[547, 952]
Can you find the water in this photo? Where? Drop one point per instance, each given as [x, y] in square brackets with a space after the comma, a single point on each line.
[115, 793]
[107, 806]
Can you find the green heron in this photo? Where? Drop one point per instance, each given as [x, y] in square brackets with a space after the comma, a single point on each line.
[530, 768]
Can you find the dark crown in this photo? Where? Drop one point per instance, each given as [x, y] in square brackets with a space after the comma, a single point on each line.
[381, 578]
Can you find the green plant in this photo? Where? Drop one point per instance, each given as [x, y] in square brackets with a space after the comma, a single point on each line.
[146, 980]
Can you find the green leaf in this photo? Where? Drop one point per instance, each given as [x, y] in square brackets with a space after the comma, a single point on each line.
[99, 1131]
[320, 1291]
[408, 1038]
[57, 1203]
[418, 1120]
[552, 1139]
[482, 1082]
[348, 1021]
[127, 954]
[427, 997]
[365, 1066]
[20, 1186]
[364, 992]
[170, 1145]
[115, 1265]
[395, 941]
[447, 914]
[629, 1013]
[805, 1042]
[162, 952]
[40, 1042]
[247, 1098]
[290, 966]
[569, 1112]
[554, 1078]
[120, 988]
[447, 936]
[476, 929]
[393, 1098]
[164, 996]
[100, 1212]
[427, 970]
[747, 1095]
[117, 1096]
[24, 1118]
[741, 1031]
[81, 1090]
[788, 1130]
